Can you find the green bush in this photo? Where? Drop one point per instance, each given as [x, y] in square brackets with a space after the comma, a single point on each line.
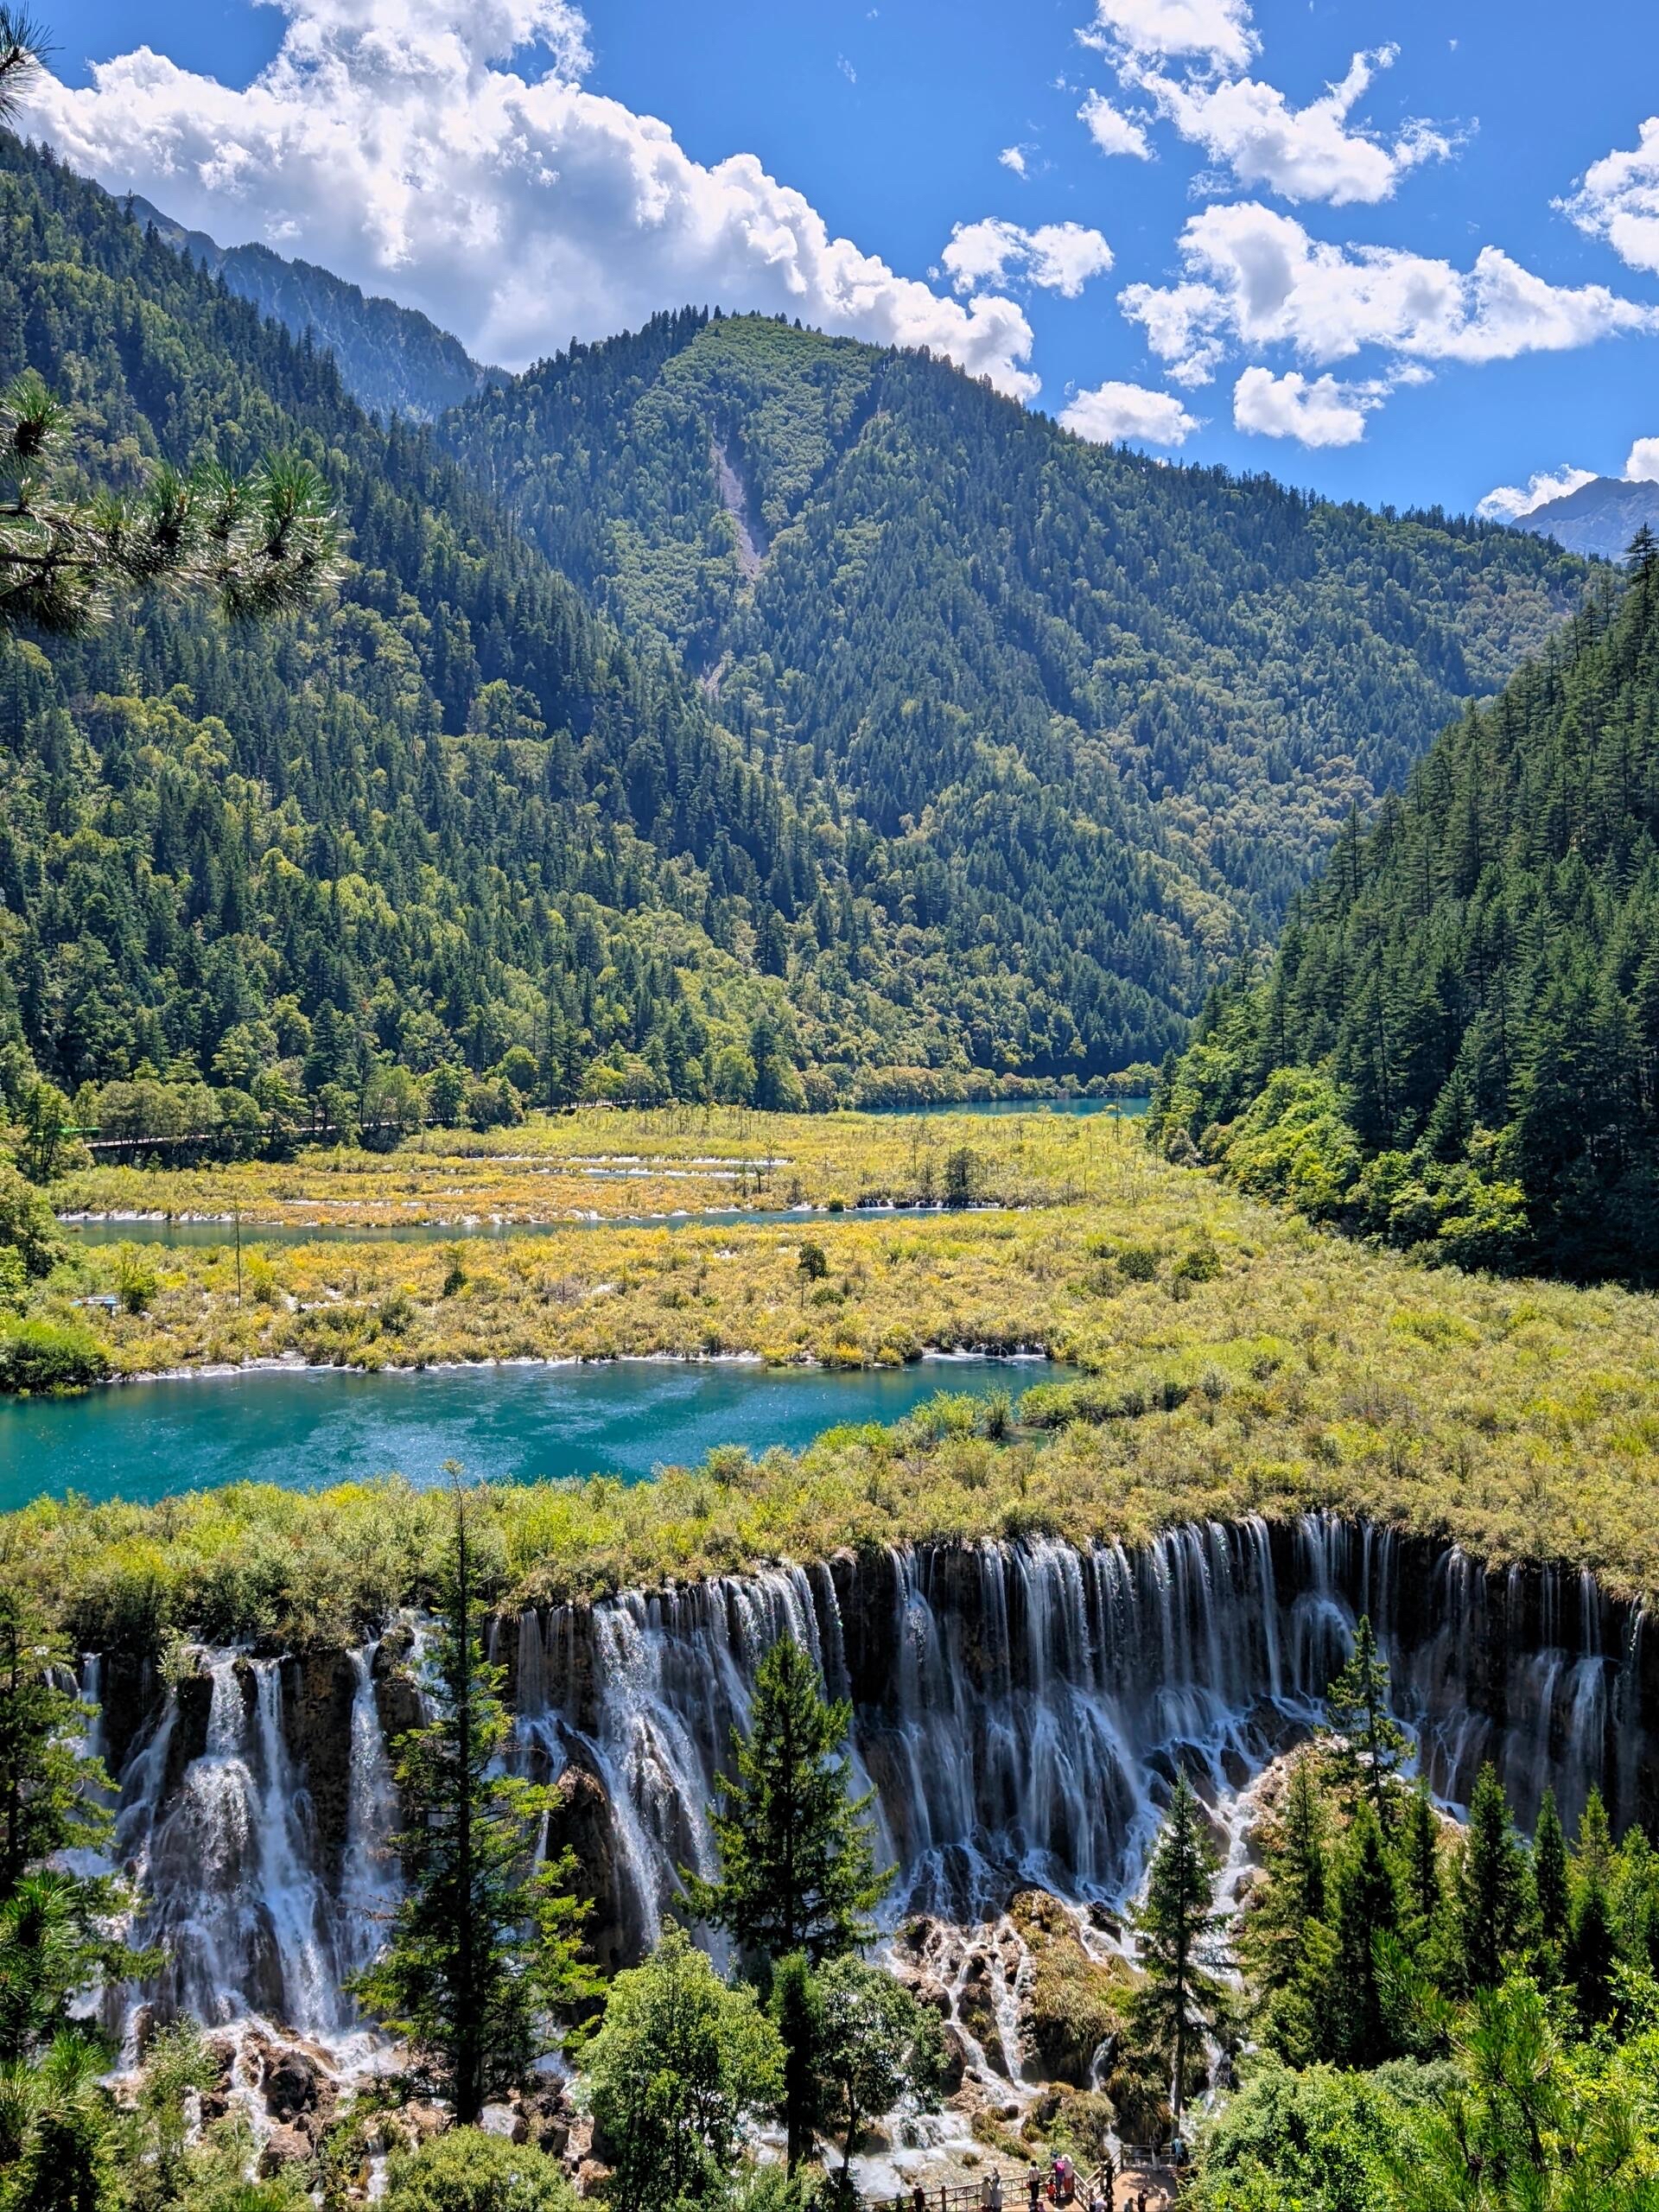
[51, 1356]
[469, 2171]
[1314, 2139]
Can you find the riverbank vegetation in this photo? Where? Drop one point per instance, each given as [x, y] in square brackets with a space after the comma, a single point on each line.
[1260, 1367]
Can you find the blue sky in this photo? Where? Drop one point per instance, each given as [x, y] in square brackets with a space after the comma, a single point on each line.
[1408, 295]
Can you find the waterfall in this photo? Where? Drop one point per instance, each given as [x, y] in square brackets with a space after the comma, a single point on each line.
[1019, 1711]
[369, 1880]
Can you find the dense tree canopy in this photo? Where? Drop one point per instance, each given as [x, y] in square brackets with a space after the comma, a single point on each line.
[1459, 1039]
[1088, 721]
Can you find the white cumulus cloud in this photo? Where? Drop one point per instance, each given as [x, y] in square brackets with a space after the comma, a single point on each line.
[1013, 158]
[1618, 199]
[1319, 413]
[1216, 32]
[1642, 466]
[1307, 153]
[1057, 256]
[1115, 411]
[1508, 502]
[394, 142]
[1255, 278]
[1112, 130]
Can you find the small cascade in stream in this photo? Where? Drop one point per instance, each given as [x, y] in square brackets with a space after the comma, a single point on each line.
[1019, 1711]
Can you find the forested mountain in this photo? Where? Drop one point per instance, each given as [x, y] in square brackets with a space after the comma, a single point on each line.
[395, 359]
[448, 820]
[1600, 518]
[721, 709]
[1459, 1039]
[1123, 707]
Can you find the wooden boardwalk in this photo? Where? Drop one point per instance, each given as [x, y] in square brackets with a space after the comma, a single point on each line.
[1143, 2172]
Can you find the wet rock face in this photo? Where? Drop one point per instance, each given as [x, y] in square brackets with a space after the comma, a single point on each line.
[284, 2147]
[396, 1701]
[583, 1825]
[1072, 2003]
[318, 1690]
[128, 1699]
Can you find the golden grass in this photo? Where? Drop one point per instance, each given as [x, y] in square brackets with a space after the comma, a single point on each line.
[611, 1161]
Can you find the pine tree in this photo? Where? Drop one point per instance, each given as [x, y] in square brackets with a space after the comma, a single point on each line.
[1420, 1861]
[798, 1869]
[1491, 1886]
[1302, 1858]
[485, 1943]
[1549, 1873]
[1590, 1957]
[1593, 1845]
[51, 1793]
[1368, 1744]
[1179, 1938]
[797, 2012]
[1292, 1896]
[1367, 1909]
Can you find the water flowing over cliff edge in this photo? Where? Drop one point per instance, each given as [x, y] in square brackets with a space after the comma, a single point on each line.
[1020, 1710]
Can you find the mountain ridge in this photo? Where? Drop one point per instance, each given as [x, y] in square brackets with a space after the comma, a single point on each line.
[1600, 518]
[394, 359]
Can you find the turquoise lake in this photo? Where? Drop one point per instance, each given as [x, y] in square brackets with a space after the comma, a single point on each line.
[306, 1427]
[1127, 1110]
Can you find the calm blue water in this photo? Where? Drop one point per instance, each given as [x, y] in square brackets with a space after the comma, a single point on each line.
[308, 1427]
[1126, 1108]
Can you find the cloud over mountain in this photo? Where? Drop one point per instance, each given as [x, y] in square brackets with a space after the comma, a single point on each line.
[402, 143]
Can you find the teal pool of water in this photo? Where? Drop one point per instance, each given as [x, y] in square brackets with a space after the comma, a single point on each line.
[308, 1427]
[1127, 1110]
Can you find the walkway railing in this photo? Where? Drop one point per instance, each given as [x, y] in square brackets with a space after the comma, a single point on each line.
[1015, 2193]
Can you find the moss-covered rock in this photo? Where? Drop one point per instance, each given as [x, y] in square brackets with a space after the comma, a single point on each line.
[1073, 2003]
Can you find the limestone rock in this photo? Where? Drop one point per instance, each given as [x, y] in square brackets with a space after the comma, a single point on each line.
[284, 2146]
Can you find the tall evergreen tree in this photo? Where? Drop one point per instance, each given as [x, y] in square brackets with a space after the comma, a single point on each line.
[485, 1943]
[1420, 1862]
[1367, 1745]
[1491, 1887]
[797, 2012]
[52, 1795]
[1179, 1942]
[1592, 1955]
[1368, 1908]
[1549, 1873]
[797, 1861]
[1293, 1895]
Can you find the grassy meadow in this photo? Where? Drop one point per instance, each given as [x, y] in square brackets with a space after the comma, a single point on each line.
[1235, 1360]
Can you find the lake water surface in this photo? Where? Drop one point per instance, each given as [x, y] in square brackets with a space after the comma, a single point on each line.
[306, 1427]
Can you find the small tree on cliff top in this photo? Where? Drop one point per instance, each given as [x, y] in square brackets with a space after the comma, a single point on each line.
[1369, 1746]
[485, 1943]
